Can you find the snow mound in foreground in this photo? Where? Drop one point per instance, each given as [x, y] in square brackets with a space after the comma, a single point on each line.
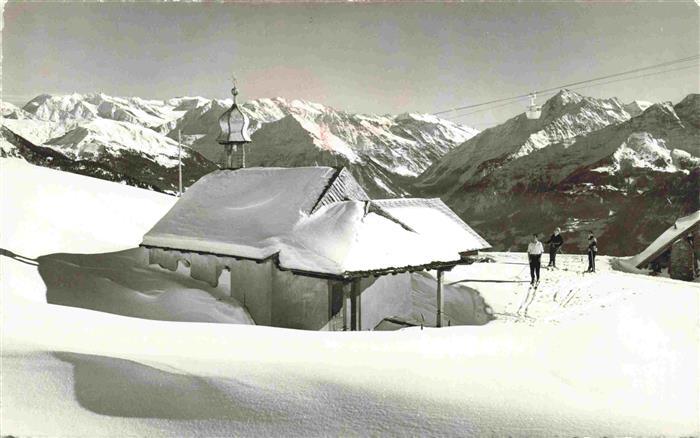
[121, 283]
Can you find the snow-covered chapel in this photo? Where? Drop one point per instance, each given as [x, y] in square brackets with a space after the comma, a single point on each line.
[306, 247]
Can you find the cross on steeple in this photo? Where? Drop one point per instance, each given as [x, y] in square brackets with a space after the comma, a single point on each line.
[234, 90]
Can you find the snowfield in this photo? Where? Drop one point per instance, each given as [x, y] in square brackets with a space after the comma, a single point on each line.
[597, 354]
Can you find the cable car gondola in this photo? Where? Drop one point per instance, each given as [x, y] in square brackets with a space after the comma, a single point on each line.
[533, 111]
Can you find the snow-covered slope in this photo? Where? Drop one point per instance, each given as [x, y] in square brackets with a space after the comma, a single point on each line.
[641, 150]
[10, 111]
[28, 126]
[73, 211]
[102, 136]
[133, 170]
[599, 355]
[97, 217]
[36, 131]
[597, 169]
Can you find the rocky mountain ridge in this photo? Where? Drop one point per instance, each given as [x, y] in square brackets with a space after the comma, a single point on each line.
[596, 168]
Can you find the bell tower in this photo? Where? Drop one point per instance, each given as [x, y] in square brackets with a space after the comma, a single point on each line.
[234, 134]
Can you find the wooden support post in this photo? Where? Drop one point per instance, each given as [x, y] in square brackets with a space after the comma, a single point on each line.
[330, 303]
[355, 306]
[440, 301]
[346, 307]
[179, 163]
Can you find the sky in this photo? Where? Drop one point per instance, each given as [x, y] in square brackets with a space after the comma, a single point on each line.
[373, 58]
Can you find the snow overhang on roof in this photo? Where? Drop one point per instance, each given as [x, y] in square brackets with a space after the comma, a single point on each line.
[312, 220]
[679, 229]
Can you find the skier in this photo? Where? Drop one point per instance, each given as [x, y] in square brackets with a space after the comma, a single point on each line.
[555, 243]
[534, 254]
[592, 251]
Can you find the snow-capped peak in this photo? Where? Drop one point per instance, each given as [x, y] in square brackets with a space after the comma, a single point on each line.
[636, 107]
[566, 97]
[98, 136]
[567, 115]
[187, 102]
[63, 109]
[10, 111]
[664, 108]
[641, 150]
[76, 108]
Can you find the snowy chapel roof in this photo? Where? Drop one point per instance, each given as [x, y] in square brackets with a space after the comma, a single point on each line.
[312, 220]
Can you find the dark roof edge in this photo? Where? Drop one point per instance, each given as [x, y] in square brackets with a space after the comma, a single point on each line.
[414, 268]
[377, 209]
[345, 276]
[329, 184]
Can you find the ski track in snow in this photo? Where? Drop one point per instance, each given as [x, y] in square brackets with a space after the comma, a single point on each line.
[613, 354]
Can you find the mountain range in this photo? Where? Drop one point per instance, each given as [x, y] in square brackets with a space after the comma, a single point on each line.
[624, 171]
[108, 138]
[133, 134]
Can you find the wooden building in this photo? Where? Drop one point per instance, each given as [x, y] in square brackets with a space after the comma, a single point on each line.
[306, 247]
[677, 249]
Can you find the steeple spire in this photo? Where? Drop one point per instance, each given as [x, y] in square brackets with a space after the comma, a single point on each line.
[234, 133]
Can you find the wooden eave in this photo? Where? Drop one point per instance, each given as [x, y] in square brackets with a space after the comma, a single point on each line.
[345, 276]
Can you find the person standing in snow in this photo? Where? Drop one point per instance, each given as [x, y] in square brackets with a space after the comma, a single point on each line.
[534, 254]
[555, 242]
[592, 251]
